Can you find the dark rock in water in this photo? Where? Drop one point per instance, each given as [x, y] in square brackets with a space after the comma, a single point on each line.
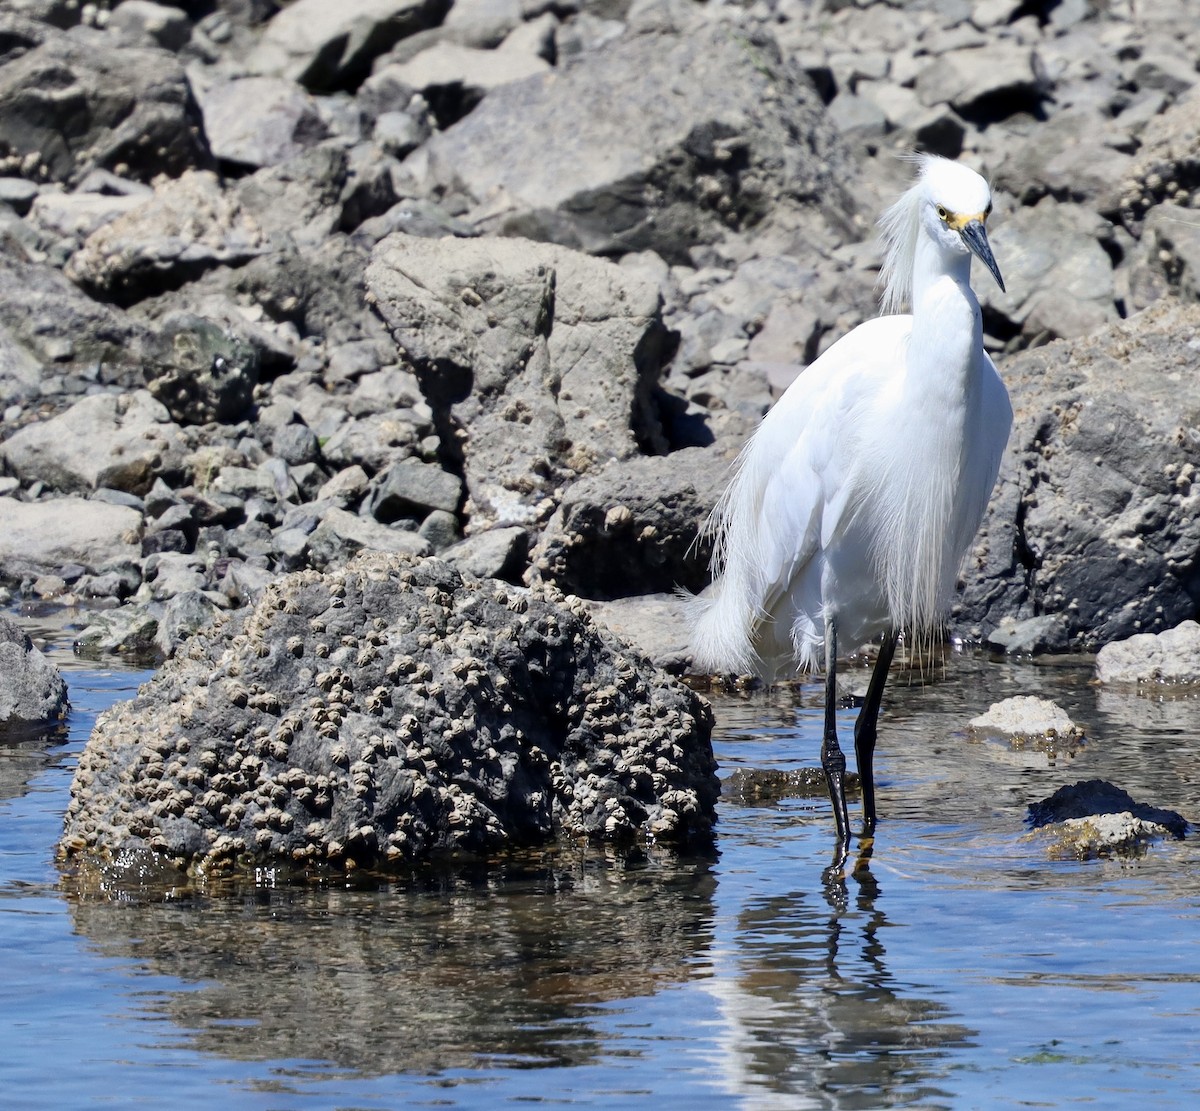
[31, 688]
[1097, 796]
[767, 786]
[388, 711]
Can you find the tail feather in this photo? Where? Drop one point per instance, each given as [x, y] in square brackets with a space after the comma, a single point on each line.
[725, 617]
[722, 637]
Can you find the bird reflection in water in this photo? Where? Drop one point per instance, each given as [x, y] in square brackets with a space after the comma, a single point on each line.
[812, 1015]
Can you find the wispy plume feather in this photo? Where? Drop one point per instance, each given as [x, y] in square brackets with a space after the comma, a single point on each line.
[900, 226]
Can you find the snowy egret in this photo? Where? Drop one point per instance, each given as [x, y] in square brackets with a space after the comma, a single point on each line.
[854, 504]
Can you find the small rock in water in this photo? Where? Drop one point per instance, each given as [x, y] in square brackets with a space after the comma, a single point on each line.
[1029, 721]
[1096, 818]
[762, 786]
[1168, 657]
[1100, 835]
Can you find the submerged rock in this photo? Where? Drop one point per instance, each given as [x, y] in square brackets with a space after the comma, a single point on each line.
[1098, 796]
[1099, 835]
[1026, 720]
[385, 712]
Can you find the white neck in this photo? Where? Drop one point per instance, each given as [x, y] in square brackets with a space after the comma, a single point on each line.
[947, 331]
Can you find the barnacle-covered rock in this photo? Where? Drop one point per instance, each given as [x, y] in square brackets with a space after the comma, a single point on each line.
[384, 712]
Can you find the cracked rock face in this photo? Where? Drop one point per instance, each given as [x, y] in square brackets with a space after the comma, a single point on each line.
[385, 712]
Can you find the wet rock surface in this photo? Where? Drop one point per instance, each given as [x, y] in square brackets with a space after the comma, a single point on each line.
[31, 688]
[1096, 818]
[438, 715]
[1160, 659]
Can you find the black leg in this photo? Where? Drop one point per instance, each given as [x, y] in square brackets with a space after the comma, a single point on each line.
[864, 729]
[833, 760]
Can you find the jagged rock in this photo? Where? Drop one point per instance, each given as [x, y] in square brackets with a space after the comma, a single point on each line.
[51, 533]
[983, 84]
[259, 121]
[412, 489]
[74, 103]
[31, 688]
[453, 79]
[341, 534]
[438, 714]
[498, 553]
[1172, 656]
[1095, 513]
[129, 438]
[188, 226]
[1097, 796]
[331, 46]
[1097, 818]
[1058, 276]
[631, 528]
[537, 361]
[701, 131]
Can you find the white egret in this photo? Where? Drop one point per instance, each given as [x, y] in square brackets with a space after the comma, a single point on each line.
[855, 502]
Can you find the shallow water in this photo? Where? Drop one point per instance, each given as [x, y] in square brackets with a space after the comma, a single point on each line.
[957, 966]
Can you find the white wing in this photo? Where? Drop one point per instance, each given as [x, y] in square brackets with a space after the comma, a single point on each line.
[794, 485]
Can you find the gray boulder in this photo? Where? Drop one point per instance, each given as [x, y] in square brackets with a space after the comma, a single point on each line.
[632, 528]
[1096, 516]
[1058, 276]
[259, 121]
[121, 441]
[31, 688]
[983, 84]
[700, 131]
[538, 362]
[331, 46]
[383, 713]
[73, 103]
[51, 533]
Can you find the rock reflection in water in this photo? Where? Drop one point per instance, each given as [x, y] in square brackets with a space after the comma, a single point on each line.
[421, 976]
[813, 1017]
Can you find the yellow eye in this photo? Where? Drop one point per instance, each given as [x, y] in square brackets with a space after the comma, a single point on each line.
[942, 213]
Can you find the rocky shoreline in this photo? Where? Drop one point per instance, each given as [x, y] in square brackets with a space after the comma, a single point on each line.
[509, 283]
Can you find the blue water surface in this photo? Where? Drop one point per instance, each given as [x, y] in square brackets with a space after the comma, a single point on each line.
[953, 964]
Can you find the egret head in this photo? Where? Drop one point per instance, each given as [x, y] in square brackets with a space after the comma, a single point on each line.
[950, 204]
[957, 205]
